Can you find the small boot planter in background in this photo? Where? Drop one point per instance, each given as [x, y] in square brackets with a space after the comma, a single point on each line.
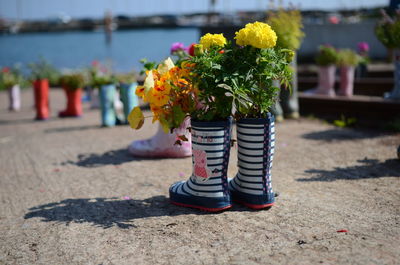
[347, 61]
[207, 187]
[129, 98]
[326, 81]
[162, 145]
[395, 93]
[41, 92]
[388, 31]
[14, 95]
[346, 81]
[107, 95]
[252, 185]
[74, 103]
[94, 98]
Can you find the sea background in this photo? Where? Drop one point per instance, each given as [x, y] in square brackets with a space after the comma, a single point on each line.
[70, 50]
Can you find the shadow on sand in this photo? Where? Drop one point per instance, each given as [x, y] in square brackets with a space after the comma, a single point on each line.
[339, 134]
[370, 168]
[103, 212]
[72, 128]
[108, 212]
[113, 157]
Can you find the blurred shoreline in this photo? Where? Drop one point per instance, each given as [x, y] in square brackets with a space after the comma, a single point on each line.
[123, 22]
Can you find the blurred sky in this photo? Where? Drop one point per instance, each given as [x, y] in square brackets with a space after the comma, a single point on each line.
[44, 9]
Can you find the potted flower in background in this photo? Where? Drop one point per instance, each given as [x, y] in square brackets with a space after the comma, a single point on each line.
[103, 79]
[178, 49]
[388, 32]
[11, 79]
[326, 60]
[362, 50]
[162, 144]
[42, 73]
[287, 24]
[347, 60]
[127, 85]
[92, 94]
[72, 84]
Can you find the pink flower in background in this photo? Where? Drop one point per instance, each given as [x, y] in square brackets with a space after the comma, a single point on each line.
[95, 63]
[362, 47]
[5, 70]
[104, 69]
[177, 46]
[334, 20]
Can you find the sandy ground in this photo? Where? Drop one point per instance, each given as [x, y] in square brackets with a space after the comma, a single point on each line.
[64, 182]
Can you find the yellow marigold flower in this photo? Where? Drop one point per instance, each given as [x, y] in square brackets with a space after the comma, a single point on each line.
[209, 40]
[257, 34]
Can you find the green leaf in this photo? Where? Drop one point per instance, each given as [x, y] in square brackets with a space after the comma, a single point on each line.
[178, 116]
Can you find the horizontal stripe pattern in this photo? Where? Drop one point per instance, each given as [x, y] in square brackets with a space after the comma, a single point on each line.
[211, 140]
[255, 153]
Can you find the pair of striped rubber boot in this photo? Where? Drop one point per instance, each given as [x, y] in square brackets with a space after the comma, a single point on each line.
[209, 188]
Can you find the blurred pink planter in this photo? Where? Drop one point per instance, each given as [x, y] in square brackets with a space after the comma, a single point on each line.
[346, 81]
[326, 81]
[14, 95]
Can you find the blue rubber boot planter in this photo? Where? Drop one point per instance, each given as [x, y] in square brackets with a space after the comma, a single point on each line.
[395, 93]
[129, 98]
[252, 184]
[207, 187]
[107, 94]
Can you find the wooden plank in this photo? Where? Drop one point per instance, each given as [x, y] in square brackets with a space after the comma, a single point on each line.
[364, 108]
[362, 86]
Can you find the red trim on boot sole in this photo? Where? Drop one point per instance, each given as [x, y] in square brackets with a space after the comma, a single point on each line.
[255, 206]
[201, 208]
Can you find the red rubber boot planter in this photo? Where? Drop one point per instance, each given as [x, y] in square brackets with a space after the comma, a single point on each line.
[74, 103]
[41, 91]
[252, 184]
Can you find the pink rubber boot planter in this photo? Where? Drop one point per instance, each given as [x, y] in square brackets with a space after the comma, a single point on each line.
[162, 145]
[346, 81]
[326, 81]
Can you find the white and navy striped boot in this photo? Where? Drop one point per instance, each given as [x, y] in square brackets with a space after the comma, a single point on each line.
[252, 184]
[207, 187]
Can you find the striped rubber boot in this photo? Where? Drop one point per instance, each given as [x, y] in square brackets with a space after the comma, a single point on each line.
[252, 184]
[207, 187]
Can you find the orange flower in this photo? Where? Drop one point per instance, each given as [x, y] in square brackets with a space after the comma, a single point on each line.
[182, 82]
[157, 112]
[158, 99]
[140, 91]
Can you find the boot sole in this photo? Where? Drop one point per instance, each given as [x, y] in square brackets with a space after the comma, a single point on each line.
[201, 207]
[255, 206]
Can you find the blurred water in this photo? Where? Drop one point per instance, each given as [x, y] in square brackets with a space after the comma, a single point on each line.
[79, 49]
